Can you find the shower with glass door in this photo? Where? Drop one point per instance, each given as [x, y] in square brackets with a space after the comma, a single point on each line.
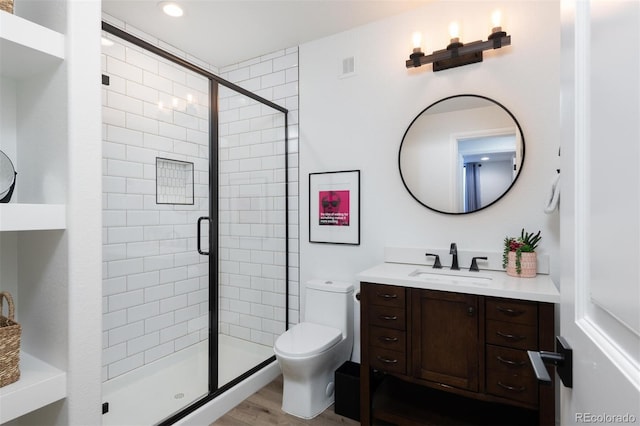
[194, 232]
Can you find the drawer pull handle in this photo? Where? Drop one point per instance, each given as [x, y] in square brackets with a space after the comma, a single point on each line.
[387, 296]
[509, 362]
[388, 339]
[387, 360]
[388, 317]
[512, 388]
[509, 311]
[510, 336]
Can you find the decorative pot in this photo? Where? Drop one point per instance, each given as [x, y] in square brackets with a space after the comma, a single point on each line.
[528, 265]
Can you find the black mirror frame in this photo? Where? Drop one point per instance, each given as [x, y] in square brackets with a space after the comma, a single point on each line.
[494, 201]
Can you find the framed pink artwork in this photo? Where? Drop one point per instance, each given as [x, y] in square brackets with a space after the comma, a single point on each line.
[334, 207]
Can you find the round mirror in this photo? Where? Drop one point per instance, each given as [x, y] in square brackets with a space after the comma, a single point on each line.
[461, 154]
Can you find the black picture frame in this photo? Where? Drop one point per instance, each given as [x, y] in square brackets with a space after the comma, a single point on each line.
[334, 207]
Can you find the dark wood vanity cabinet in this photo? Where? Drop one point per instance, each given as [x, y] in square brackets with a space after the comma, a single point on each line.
[387, 325]
[471, 346]
[511, 329]
[444, 339]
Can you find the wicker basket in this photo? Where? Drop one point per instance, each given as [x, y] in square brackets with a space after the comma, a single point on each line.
[6, 5]
[9, 344]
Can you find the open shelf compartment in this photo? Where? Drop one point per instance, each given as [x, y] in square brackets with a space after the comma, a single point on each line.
[27, 47]
[40, 384]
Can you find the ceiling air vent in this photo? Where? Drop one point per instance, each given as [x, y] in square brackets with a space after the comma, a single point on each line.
[348, 67]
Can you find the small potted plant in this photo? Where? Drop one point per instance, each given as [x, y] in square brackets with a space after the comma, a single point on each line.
[519, 257]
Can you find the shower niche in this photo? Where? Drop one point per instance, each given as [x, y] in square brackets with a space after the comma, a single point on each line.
[174, 181]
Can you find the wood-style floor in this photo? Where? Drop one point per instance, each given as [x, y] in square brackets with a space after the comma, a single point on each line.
[264, 408]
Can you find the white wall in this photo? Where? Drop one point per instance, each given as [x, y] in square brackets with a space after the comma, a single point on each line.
[358, 123]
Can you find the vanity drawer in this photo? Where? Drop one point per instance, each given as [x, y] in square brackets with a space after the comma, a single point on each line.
[387, 338]
[513, 386]
[507, 360]
[518, 336]
[388, 360]
[516, 311]
[387, 316]
[386, 295]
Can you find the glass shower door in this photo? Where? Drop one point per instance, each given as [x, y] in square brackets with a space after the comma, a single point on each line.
[252, 242]
[195, 233]
[156, 120]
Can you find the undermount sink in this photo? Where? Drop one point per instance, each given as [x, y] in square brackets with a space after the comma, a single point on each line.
[450, 276]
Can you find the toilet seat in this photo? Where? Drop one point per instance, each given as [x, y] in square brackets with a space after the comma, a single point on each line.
[306, 339]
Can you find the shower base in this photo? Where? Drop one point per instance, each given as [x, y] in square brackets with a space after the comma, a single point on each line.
[151, 393]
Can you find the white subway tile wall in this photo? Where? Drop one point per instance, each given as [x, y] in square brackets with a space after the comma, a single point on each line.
[155, 284]
[252, 199]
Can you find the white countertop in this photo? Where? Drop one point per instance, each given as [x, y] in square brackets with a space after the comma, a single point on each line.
[483, 283]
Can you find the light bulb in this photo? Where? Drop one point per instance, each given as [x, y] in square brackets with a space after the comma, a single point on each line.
[417, 53]
[454, 30]
[417, 40]
[496, 17]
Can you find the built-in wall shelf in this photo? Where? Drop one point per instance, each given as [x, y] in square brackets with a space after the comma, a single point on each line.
[32, 217]
[50, 127]
[27, 48]
[40, 384]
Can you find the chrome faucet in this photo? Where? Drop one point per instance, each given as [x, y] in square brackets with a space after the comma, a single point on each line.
[454, 261]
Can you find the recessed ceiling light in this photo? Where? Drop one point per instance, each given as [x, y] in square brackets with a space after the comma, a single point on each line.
[484, 159]
[106, 42]
[171, 9]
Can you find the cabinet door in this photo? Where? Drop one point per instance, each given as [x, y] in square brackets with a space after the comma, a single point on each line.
[445, 338]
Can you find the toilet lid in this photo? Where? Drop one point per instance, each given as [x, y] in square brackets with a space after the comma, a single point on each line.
[306, 339]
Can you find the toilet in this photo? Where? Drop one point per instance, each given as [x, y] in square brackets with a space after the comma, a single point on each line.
[310, 352]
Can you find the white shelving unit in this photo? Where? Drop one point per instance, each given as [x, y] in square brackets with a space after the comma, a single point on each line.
[40, 384]
[27, 47]
[32, 217]
[50, 128]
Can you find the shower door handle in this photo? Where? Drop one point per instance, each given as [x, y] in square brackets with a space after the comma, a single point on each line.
[200, 219]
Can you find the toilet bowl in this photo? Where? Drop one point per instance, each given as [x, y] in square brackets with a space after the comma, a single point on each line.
[310, 352]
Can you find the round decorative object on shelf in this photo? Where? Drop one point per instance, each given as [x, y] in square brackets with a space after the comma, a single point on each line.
[7, 178]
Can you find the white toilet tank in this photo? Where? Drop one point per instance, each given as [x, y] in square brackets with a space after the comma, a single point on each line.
[330, 303]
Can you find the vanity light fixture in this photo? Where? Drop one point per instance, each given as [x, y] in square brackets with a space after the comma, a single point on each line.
[171, 8]
[457, 54]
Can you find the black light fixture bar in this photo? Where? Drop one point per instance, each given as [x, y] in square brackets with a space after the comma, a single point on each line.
[458, 54]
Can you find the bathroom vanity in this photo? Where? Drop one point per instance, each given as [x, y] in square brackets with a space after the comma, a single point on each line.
[462, 333]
